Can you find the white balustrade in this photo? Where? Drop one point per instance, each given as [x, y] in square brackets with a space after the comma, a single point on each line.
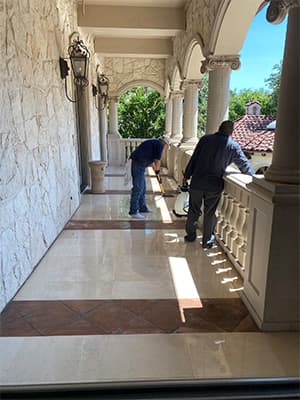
[129, 145]
[233, 218]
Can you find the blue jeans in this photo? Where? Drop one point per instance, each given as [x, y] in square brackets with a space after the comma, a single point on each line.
[138, 191]
[211, 200]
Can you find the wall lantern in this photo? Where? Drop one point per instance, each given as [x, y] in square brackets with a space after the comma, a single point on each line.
[79, 57]
[101, 91]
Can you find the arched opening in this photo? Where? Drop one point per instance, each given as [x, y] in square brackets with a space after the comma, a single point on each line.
[141, 113]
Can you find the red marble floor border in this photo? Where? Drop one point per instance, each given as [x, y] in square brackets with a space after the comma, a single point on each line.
[117, 317]
[115, 191]
[124, 224]
[115, 175]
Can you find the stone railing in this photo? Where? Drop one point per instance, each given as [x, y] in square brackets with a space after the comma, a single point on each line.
[129, 145]
[233, 217]
[233, 210]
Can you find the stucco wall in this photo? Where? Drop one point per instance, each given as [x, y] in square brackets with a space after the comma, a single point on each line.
[38, 142]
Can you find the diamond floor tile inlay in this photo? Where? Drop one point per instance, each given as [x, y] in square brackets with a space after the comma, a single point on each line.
[90, 317]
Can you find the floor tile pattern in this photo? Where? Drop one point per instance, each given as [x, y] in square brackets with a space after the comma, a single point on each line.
[117, 317]
[129, 224]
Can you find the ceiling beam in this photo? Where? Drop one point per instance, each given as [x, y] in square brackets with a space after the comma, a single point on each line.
[163, 18]
[126, 47]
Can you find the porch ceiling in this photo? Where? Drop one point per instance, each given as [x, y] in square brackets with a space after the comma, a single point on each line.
[132, 28]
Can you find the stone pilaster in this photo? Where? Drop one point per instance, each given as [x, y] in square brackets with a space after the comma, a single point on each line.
[190, 113]
[219, 68]
[177, 109]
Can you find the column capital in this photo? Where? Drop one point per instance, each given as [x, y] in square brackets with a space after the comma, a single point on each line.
[176, 93]
[278, 9]
[192, 82]
[115, 99]
[212, 63]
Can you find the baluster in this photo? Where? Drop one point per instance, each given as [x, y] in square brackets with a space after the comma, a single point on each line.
[221, 211]
[234, 217]
[242, 250]
[227, 226]
[226, 215]
[237, 241]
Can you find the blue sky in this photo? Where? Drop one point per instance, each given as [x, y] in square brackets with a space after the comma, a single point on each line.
[263, 48]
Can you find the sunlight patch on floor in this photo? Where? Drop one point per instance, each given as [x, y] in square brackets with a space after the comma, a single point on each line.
[184, 285]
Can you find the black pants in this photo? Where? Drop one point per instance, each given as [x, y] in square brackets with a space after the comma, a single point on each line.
[211, 201]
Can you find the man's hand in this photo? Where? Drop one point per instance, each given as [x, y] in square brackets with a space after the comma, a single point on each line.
[184, 181]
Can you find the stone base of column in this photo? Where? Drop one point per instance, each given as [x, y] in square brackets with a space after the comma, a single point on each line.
[175, 140]
[188, 144]
[116, 150]
[271, 286]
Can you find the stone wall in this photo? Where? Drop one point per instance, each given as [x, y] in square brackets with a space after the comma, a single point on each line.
[38, 141]
[200, 17]
[122, 71]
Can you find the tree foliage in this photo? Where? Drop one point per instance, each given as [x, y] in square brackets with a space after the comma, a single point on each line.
[239, 99]
[141, 110]
[141, 113]
[273, 83]
[202, 106]
[267, 98]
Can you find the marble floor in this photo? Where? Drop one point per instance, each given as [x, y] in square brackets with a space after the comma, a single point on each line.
[118, 300]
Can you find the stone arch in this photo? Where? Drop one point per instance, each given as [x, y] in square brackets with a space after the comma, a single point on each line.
[192, 60]
[176, 78]
[228, 32]
[145, 83]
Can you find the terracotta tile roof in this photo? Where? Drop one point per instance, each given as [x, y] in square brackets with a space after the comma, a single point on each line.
[252, 134]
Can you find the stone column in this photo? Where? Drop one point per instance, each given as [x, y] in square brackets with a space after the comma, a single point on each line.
[168, 120]
[116, 149]
[177, 98]
[113, 116]
[103, 133]
[219, 68]
[190, 113]
[271, 286]
[285, 166]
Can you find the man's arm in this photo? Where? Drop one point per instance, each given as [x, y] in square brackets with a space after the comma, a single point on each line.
[241, 161]
[156, 166]
[189, 169]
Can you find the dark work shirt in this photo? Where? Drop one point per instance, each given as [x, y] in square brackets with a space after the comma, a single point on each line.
[148, 151]
[210, 159]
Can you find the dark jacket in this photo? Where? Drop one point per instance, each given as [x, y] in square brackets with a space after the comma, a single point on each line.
[148, 151]
[210, 159]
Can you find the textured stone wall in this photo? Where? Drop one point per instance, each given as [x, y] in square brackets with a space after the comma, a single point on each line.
[121, 71]
[38, 142]
[200, 17]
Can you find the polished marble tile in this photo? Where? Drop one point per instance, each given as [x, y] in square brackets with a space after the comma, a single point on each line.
[129, 264]
[116, 207]
[71, 359]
